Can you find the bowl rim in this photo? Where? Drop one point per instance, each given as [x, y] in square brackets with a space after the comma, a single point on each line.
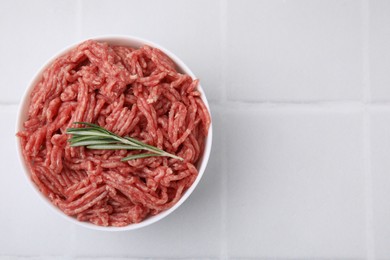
[130, 41]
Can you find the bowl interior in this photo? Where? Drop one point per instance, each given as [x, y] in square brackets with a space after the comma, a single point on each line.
[135, 43]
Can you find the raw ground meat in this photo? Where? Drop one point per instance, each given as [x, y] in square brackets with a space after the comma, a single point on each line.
[131, 92]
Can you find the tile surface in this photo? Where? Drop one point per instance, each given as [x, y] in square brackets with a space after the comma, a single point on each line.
[380, 137]
[28, 227]
[299, 50]
[295, 184]
[299, 93]
[32, 32]
[379, 49]
[179, 26]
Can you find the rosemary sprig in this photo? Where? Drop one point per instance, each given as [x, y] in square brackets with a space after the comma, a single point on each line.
[97, 137]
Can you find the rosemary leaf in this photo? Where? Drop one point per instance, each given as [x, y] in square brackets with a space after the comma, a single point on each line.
[88, 133]
[137, 156]
[146, 146]
[90, 143]
[112, 147]
[75, 139]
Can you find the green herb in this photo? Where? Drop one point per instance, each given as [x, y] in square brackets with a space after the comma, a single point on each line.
[96, 137]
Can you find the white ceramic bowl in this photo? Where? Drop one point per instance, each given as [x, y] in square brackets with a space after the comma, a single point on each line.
[125, 41]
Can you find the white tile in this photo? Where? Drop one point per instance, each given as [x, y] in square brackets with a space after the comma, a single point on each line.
[190, 29]
[42, 258]
[32, 32]
[294, 51]
[380, 143]
[30, 228]
[379, 49]
[295, 183]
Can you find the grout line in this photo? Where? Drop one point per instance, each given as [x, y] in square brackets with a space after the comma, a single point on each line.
[370, 239]
[323, 106]
[223, 49]
[10, 104]
[365, 13]
[76, 257]
[224, 196]
[293, 102]
[79, 17]
[317, 103]
[223, 89]
[369, 214]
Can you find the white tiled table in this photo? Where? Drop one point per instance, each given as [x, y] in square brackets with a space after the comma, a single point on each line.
[300, 98]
